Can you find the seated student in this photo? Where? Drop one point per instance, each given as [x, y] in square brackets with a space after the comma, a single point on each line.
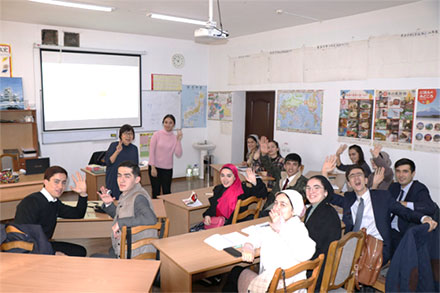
[372, 209]
[270, 158]
[43, 207]
[356, 156]
[291, 178]
[321, 219]
[411, 194]
[383, 174]
[134, 208]
[252, 160]
[285, 243]
[231, 189]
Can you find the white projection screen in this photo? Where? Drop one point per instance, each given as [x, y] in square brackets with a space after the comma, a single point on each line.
[90, 90]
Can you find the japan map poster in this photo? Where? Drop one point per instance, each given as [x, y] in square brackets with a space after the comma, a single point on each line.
[393, 125]
[355, 116]
[427, 123]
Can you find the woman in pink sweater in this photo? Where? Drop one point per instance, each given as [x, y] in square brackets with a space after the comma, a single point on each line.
[164, 144]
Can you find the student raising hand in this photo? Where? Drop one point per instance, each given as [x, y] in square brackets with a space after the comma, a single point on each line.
[264, 145]
[250, 176]
[80, 184]
[105, 195]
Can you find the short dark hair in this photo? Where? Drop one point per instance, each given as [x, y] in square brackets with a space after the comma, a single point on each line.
[52, 171]
[171, 116]
[405, 161]
[126, 128]
[134, 168]
[351, 168]
[359, 151]
[293, 157]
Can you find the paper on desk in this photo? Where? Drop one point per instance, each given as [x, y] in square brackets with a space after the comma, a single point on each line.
[254, 228]
[226, 240]
[195, 204]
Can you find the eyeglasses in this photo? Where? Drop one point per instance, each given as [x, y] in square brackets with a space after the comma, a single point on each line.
[355, 175]
[128, 133]
[314, 187]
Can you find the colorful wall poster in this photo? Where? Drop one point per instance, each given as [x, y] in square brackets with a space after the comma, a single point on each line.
[144, 144]
[393, 126]
[300, 111]
[11, 93]
[356, 116]
[220, 106]
[427, 123]
[166, 82]
[5, 60]
[193, 103]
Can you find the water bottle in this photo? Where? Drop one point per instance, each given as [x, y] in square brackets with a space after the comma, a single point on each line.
[188, 172]
[195, 171]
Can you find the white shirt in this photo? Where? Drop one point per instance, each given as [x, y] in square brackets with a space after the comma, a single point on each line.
[47, 195]
[368, 220]
[409, 205]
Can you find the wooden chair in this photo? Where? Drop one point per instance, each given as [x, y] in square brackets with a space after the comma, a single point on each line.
[250, 211]
[9, 161]
[308, 283]
[165, 222]
[342, 255]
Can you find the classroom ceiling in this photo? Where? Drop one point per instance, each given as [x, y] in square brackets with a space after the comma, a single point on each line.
[238, 17]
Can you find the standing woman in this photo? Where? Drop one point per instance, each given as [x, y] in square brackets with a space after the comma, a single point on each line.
[321, 219]
[356, 156]
[118, 152]
[164, 144]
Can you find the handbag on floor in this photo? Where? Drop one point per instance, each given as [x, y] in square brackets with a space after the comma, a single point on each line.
[216, 222]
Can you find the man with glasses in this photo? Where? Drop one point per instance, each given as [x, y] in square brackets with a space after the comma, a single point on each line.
[43, 207]
[373, 210]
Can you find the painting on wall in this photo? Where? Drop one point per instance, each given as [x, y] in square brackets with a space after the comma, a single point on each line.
[11, 93]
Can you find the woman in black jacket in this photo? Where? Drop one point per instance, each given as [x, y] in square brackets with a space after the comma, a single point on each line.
[321, 219]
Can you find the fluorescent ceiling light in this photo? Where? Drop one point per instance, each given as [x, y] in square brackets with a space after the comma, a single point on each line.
[177, 19]
[75, 5]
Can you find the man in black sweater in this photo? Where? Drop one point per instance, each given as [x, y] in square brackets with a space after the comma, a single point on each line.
[43, 208]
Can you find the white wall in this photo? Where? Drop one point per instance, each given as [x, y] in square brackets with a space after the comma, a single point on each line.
[313, 148]
[73, 156]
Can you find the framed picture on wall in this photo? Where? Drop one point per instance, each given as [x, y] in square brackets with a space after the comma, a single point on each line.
[11, 93]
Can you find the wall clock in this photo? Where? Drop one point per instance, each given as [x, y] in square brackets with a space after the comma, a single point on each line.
[178, 60]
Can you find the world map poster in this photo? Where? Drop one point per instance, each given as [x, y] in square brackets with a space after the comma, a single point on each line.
[193, 103]
[220, 106]
[300, 111]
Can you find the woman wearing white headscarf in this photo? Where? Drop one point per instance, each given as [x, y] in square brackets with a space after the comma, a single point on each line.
[284, 243]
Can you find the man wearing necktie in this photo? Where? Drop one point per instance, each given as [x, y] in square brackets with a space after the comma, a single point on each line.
[371, 209]
[411, 194]
[44, 207]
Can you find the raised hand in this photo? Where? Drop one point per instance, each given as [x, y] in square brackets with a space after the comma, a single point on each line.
[375, 152]
[378, 177]
[248, 252]
[80, 184]
[119, 147]
[250, 176]
[179, 134]
[105, 195]
[341, 149]
[276, 221]
[264, 145]
[329, 165]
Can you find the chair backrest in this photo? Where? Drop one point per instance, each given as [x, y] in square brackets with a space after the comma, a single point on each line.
[249, 211]
[9, 161]
[162, 227]
[342, 256]
[308, 283]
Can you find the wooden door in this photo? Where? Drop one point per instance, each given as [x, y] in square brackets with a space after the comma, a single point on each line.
[260, 108]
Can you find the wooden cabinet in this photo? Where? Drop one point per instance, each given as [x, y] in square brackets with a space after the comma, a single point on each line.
[18, 131]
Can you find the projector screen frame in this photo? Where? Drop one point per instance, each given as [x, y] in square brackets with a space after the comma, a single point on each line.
[90, 51]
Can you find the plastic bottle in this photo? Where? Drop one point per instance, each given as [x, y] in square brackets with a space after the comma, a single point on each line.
[188, 172]
[195, 171]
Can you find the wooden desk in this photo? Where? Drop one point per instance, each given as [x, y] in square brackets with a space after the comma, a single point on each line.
[216, 175]
[181, 216]
[336, 179]
[50, 273]
[93, 225]
[12, 193]
[95, 181]
[186, 258]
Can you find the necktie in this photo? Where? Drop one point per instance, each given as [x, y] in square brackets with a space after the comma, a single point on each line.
[359, 215]
[285, 183]
[399, 198]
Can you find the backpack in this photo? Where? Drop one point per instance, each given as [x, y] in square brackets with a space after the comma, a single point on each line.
[24, 238]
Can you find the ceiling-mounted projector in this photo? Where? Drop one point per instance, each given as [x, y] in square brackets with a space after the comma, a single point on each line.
[210, 34]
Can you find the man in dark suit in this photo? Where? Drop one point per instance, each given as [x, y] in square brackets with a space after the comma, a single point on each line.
[372, 209]
[411, 194]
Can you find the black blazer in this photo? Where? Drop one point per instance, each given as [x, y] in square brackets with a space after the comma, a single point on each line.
[417, 194]
[383, 206]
